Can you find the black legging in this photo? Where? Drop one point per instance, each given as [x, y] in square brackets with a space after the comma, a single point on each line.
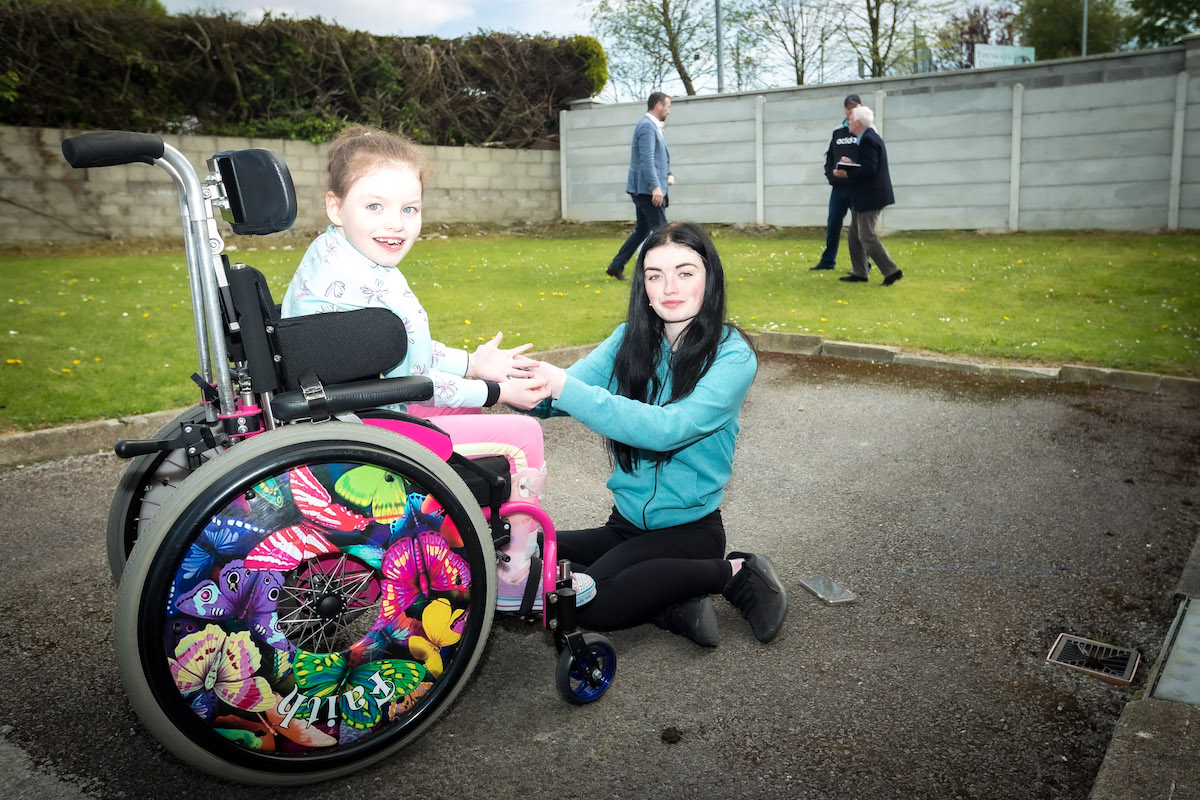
[639, 573]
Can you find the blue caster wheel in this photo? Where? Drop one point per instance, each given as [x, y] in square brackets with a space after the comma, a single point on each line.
[579, 688]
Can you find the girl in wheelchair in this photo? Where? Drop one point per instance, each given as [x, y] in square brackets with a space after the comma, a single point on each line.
[374, 202]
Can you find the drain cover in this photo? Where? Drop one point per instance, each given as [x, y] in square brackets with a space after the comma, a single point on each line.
[1110, 664]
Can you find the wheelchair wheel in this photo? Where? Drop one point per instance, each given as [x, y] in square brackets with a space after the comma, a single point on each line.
[294, 612]
[145, 485]
[573, 685]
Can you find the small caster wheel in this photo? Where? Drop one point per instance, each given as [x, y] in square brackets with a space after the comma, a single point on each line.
[576, 687]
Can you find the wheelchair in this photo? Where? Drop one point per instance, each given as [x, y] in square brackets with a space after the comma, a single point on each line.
[307, 579]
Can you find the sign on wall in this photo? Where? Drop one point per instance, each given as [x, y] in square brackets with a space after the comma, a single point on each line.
[1001, 55]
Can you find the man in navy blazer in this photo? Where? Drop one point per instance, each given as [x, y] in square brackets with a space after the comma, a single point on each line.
[648, 181]
[870, 191]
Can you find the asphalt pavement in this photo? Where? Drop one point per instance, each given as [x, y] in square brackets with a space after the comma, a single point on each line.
[976, 517]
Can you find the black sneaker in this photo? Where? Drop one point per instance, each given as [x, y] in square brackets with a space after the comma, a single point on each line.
[758, 595]
[695, 618]
[615, 272]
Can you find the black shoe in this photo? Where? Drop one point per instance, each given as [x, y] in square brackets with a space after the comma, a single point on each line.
[852, 278]
[895, 276]
[758, 595]
[696, 619]
[821, 266]
[617, 273]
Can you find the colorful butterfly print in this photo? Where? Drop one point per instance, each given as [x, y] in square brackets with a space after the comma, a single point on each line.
[376, 293]
[384, 638]
[211, 666]
[442, 626]
[409, 701]
[266, 732]
[303, 291]
[378, 489]
[409, 329]
[412, 568]
[317, 506]
[287, 548]
[251, 596]
[222, 537]
[445, 387]
[363, 692]
[446, 527]
[336, 289]
[416, 519]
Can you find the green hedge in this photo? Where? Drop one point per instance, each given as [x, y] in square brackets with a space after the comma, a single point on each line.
[91, 66]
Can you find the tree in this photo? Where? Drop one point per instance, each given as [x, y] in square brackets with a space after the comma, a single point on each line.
[1162, 22]
[882, 32]
[954, 43]
[794, 31]
[644, 37]
[1054, 28]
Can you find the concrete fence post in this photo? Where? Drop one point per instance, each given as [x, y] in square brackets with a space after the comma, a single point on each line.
[1014, 163]
[1176, 182]
[760, 200]
[562, 164]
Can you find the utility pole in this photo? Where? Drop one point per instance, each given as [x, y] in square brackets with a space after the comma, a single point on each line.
[720, 51]
[1085, 2]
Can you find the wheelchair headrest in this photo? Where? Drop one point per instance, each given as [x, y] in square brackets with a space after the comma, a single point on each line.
[262, 198]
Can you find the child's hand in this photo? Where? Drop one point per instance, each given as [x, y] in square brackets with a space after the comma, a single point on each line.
[490, 363]
[524, 393]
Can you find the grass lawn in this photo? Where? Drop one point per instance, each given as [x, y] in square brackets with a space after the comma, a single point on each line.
[100, 333]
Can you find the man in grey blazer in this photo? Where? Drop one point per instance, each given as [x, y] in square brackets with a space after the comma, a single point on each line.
[648, 181]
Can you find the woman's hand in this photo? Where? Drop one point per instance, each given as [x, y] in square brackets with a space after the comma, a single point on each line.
[555, 376]
[524, 393]
[490, 363]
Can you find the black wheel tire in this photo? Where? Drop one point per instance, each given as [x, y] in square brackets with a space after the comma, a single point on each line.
[569, 679]
[145, 485]
[147, 582]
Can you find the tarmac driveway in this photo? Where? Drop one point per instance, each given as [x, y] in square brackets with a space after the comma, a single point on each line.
[977, 518]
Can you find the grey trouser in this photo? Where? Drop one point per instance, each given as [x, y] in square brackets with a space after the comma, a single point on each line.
[863, 241]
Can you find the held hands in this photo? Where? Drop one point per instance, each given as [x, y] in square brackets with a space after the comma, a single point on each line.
[555, 377]
[490, 363]
[524, 393]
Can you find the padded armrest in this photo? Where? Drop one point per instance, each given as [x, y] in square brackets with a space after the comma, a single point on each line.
[345, 398]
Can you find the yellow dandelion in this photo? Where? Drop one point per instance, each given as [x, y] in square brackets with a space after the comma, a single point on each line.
[466, 322]
[12, 361]
[77, 361]
[64, 369]
[824, 320]
[597, 291]
[62, 313]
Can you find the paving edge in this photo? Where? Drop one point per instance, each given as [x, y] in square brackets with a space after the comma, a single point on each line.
[24, 449]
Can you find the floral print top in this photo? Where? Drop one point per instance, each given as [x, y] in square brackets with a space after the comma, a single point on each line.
[333, 276]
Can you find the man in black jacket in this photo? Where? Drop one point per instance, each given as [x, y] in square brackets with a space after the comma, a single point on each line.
[841, 143]
[870, 191]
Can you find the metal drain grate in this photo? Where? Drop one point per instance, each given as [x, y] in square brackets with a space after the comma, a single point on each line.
[1115, 665]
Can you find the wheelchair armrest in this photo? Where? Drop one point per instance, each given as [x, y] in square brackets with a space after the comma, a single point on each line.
[342, 398]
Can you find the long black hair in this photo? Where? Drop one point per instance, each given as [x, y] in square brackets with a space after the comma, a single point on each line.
[636, 364]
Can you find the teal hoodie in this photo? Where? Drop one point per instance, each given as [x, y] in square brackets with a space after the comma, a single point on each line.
[703, 428]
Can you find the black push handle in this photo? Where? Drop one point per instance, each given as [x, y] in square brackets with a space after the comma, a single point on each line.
[110, 148]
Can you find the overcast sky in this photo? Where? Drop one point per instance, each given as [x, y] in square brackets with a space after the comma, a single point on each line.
[445, 18]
